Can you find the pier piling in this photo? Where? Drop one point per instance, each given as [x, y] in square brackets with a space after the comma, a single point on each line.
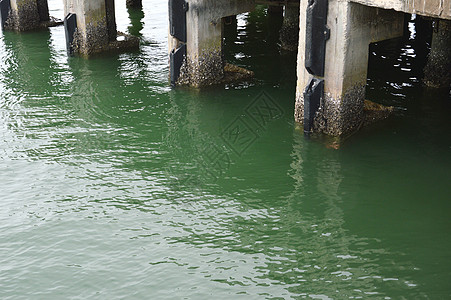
[203, 64]
[438, 67]
[352, 28]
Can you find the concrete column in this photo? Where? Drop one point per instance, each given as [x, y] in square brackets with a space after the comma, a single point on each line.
[43, 10]
[25, 15]
[111, 20]
[96, 27]
[28, 15]
[204, 43]
[289, 33]
[438, 67]
[352, 28]
[204, 63]
[134, 3]
[92, 30]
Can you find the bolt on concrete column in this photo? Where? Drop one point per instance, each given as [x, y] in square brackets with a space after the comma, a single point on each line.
[204, 64]
[352, 28]
[289, 33]
[134, 3]
[438, 67]
[26, 14]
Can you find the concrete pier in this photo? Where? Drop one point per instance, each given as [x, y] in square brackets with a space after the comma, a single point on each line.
[204, 64]
[92, 34]
[43, 10]
[111, 20]
[96, 27]
[27, 15]
[289, 33]
[349, 27]
[352, 28]
[438, 68]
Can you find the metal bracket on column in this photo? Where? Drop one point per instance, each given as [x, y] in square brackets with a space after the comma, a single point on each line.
[70, 25]
[177, 19]
[312, 99]
[5, 7]
[317, 33]
[176, 57]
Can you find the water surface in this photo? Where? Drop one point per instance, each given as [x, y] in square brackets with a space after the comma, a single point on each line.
[113, 185]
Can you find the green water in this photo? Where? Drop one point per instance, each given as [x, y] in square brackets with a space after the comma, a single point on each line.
[115, 186]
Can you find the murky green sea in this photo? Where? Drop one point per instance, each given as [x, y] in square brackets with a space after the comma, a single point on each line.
[115, 186]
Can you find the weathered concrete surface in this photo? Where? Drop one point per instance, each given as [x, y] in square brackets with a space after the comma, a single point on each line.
[289, 33]
[437, 72]
[29, 15]
[92, 30]
[204, 64]
[430, 8]
[352, 28]
[24, 15]
[96, 27]
[43, 10]
[111, 20]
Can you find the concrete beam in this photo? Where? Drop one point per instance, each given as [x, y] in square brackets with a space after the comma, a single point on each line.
[277, 2]
[352, 28]
[430, 8]
[217, 9]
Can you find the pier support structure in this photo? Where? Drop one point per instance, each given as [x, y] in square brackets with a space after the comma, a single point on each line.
[26, 15]
[289, 33]
[43, 10]
[95, 28]
[352, 28]
[438, 67]
[92, 33]
[199, 40]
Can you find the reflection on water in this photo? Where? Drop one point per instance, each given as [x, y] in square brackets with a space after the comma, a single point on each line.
[339, 254]
[136, 21]
[113, 185]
